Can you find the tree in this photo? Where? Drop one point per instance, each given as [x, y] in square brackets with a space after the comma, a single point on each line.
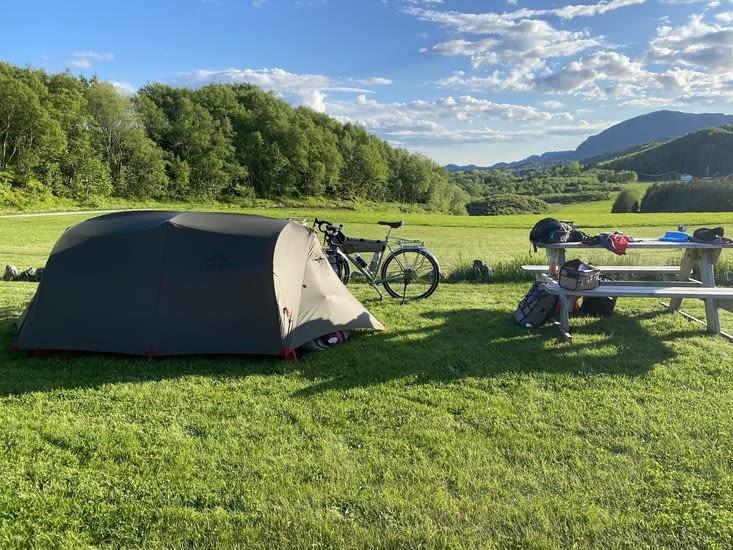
[628, 200]
[199, 152]
[27, 132]
[135, 163]
[506, 203]
[412, 179]
[365, 171]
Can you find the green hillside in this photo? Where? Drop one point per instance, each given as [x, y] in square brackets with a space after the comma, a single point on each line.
[701, 154]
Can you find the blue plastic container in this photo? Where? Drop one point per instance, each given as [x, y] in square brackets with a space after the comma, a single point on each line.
[675, 236]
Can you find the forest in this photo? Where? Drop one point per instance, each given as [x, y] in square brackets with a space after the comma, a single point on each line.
[702, 154]
[70, 137]
[81, 138]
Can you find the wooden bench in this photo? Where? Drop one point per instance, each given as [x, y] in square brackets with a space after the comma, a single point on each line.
[715, 297]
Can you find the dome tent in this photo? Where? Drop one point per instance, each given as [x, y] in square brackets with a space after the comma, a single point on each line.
[181, 283]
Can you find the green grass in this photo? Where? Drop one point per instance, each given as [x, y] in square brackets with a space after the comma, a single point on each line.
[453, 429]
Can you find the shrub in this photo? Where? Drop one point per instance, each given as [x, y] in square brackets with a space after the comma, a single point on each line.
[506, 203]
[692, 196]
[570, 198]
[628, 200]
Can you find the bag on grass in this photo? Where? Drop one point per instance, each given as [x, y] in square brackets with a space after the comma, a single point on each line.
[537, 307]
[598, 306]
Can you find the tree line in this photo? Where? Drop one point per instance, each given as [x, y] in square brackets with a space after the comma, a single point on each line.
[548, 183]
[689, 196]
[79, 138]
[495, 192]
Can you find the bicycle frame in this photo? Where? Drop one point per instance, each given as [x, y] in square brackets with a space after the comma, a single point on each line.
[393, 250]
[366, 271]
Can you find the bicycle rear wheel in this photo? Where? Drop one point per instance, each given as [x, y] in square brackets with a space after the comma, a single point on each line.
[340, 265]
[410, 273]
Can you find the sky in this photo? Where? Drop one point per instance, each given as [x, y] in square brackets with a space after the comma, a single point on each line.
[457, 81]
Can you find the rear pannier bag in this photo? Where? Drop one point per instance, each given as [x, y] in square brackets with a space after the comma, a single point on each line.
[578, 275]
[537, 307]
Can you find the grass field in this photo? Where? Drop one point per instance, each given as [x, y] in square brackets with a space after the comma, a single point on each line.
[455, 428]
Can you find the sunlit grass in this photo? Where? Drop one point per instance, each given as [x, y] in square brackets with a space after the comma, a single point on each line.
[455, 428]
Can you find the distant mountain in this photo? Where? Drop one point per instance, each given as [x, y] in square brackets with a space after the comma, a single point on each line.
[656, 126]
[622, 137]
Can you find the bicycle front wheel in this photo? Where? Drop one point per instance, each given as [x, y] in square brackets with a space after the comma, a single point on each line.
[410, 273]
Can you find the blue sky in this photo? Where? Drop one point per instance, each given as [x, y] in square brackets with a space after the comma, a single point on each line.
[459, 81]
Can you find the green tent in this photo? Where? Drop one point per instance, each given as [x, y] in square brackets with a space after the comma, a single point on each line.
[176, 283]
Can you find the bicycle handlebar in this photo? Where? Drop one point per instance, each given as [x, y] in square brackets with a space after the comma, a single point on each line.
[330, 228]
[333, 234]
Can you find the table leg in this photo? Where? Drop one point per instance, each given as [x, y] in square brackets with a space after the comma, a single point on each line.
[707, 274]
[688, 261]
[555, 259]
[566, 304]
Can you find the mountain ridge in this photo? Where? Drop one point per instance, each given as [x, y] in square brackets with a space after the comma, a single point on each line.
[648, 128]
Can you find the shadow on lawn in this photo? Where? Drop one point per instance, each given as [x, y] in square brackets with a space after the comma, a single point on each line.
[21, 372]
[451, 345]
[485, 343]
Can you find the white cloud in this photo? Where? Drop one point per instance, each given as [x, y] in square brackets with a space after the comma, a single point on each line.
[591, 10]
[553, 104]
[527, 43]
[124, 88]
[308, 89]
[84, 60]
[523, 51]
[696, 44]
[593, 70]
[446, 121]
[373, 81]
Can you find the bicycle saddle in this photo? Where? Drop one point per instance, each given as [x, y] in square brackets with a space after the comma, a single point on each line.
[393, 225]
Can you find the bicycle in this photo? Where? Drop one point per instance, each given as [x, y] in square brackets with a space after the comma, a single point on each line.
[404, 267]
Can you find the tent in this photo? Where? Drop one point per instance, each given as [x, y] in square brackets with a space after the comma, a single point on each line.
[179, 283]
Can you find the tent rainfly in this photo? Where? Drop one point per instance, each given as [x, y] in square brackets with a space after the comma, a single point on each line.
[181, 283]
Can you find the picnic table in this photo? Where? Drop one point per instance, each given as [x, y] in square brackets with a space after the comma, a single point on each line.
[678, 283]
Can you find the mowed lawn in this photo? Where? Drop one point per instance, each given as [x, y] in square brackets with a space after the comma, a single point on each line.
[455, 428]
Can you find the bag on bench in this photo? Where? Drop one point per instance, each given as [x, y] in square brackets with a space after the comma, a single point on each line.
[578, 275]
[708, 235]
[537, 307]
[552, 231]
